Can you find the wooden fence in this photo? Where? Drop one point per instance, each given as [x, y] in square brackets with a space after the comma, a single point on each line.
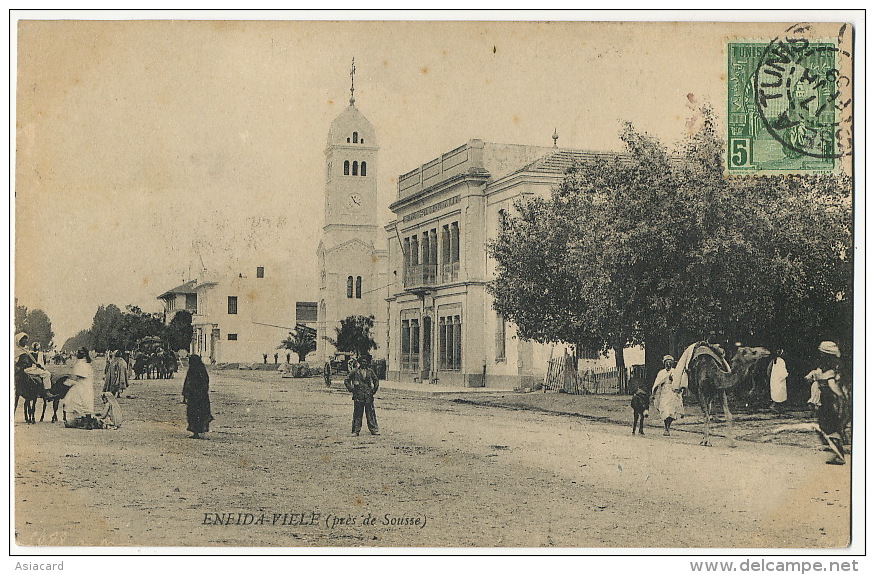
[562, 377]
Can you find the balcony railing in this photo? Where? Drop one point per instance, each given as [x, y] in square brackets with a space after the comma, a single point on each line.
[420, 275]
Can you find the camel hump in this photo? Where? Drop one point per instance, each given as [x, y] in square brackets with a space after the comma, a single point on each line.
[705, 349]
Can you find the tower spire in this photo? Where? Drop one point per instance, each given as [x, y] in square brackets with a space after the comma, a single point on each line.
[352, 83]
[555, 138]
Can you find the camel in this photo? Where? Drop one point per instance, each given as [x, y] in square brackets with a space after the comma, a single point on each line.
[708, 380]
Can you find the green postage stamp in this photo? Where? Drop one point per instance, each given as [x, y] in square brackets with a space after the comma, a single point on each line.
[785, 107]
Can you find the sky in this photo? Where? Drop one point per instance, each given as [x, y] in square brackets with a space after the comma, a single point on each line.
[146, 150]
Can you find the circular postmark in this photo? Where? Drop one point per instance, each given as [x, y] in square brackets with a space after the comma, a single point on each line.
[801, 97]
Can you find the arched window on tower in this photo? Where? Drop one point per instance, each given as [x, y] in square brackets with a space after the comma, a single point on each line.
[346, 168]
[364, 168]
[355, 137]
[355, 168]
[349, 287]
[358, 287]
[362, 141]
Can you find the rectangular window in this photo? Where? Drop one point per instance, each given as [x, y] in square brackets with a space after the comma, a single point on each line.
[454, 242]
[305, 312]
[450, 251]
[232, 337]
[232, 304]
[191, 302]
[259, 272]
[450, 343]
[500, 345]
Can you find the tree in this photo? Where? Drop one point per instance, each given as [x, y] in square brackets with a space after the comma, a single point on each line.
[650, 244]
[36, 324]
[112, 328]
[137, 324]
[766, 260]
[78, 341]
[20, 317]
[577, 267]
[39, 328]
[301, 341]
[354, 335]
[106, 328]
[179, 331]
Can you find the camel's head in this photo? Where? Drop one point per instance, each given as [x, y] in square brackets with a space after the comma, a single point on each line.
[746, 357]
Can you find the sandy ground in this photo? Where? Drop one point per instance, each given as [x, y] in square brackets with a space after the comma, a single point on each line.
[504, 470]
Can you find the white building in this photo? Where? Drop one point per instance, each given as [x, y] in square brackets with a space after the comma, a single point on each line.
[441, 322]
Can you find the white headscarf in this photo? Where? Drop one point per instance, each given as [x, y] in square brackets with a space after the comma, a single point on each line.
[83, 369]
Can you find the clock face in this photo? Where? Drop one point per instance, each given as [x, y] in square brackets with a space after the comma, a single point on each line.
[354, 201]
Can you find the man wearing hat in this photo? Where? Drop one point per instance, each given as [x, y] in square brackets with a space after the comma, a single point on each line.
[831, 398]
[363, 384]
[667, 395]
[27, 361]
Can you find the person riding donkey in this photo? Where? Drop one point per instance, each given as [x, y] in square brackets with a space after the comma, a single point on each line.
[28, 362]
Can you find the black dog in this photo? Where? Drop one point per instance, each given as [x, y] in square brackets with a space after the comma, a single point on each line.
[641, 408]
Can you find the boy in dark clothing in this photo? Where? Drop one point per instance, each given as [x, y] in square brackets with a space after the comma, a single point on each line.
[640, 408]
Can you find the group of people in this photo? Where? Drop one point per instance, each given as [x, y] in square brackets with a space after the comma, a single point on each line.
[77, 392]
[362, 383]
[830, 395]
[157, 364]
[276, 358]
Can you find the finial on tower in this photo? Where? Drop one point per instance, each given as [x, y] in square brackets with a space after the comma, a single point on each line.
[352, 84]
[555, 138]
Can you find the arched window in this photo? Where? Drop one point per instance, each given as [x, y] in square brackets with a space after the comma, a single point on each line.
[358, 287]
[355, 168]
[346, 168]
[349, 287]
[364, 168]
[355, 137]
[362, 141]
[347, 140]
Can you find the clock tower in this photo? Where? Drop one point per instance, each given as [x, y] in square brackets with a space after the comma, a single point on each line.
[352, 255]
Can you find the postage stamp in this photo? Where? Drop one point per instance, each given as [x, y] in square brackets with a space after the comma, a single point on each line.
[786, 106]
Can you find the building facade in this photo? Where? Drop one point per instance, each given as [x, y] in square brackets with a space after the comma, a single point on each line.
[239, 317]
[442, 327]
[351, 253]
[180, 298]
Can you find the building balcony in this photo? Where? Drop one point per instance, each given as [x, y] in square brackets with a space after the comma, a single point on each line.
[423, 277]
[420, 275]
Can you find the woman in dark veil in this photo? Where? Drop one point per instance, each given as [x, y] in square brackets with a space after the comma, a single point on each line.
[196, 391]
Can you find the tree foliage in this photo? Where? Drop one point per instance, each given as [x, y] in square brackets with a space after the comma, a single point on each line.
[36, 324]
[81, 340]
[112, 328]
[301, 342]
[650, 242]
[179, 331]
[354, 335]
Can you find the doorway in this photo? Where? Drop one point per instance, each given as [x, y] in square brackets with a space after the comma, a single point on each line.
[426, 348]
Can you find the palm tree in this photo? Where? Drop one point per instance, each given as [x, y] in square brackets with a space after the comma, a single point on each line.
[301, 342]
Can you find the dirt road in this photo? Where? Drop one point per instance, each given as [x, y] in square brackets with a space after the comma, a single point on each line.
[281, 470]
